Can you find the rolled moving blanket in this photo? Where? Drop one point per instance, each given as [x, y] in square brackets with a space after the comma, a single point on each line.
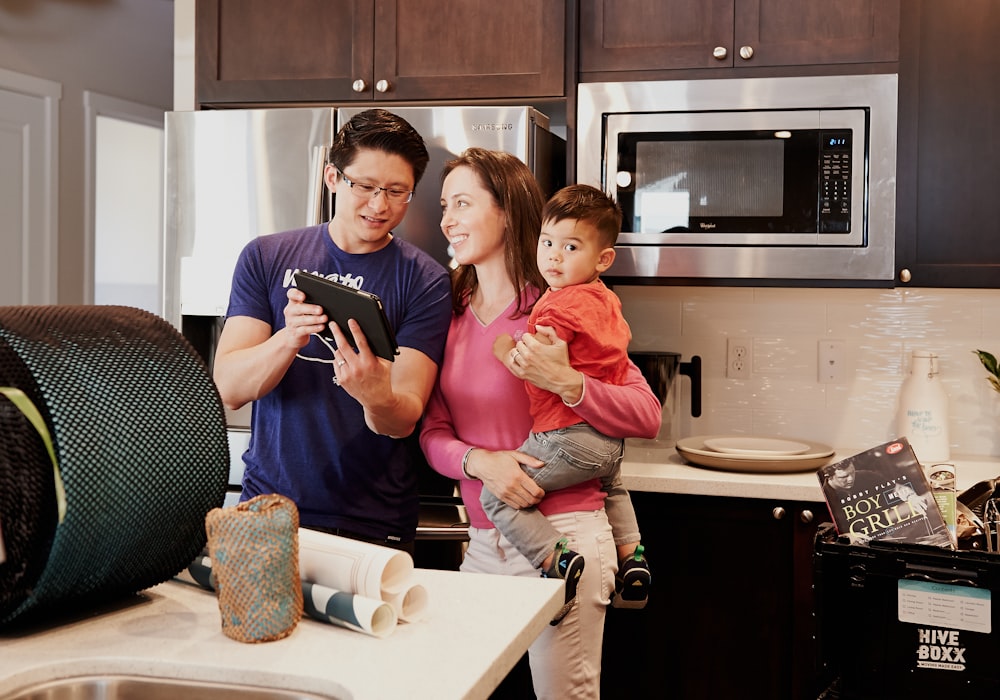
[28, 499]
[139, 436]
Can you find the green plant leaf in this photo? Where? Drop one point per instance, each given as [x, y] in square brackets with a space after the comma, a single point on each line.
[989, 361]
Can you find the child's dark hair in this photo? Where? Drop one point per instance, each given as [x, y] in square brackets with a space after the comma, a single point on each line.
[586, 203]
[380, 130]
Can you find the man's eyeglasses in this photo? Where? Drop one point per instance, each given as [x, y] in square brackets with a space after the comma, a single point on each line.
[363, 190]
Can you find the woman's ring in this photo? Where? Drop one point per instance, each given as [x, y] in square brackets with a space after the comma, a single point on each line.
[513, 358]
[341, 363]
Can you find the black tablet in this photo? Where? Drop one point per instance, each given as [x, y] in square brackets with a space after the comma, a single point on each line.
[341, 302]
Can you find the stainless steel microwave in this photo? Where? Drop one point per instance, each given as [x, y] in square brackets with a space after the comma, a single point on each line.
[747, 179]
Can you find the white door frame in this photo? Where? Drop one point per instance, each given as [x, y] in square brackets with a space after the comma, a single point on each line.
[41, 263]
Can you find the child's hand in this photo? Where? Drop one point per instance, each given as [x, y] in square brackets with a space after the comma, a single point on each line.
[502, 347]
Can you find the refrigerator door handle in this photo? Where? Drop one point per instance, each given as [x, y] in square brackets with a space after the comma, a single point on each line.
[318, 209]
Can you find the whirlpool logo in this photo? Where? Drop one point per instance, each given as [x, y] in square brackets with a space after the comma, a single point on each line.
[493, 126]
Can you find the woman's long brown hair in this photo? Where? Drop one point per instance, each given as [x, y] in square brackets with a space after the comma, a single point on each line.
[518, 194]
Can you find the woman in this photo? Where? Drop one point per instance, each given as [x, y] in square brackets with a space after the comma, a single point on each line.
[478, 415]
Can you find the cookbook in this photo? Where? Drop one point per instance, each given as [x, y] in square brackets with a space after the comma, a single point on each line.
[883, 494]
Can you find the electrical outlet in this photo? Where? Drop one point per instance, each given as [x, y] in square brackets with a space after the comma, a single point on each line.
[831, 362]
[738, 357]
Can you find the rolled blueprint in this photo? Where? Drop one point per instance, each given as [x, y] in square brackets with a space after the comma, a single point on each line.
[348, 565]
[410, 603]
[355, 612]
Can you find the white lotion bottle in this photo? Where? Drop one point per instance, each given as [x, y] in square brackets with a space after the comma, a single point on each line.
[923, 410]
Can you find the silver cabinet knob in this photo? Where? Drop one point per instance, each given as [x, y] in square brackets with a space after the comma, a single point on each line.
[806, 516]
[904, 275]
[359, 85]
[720, 52]
[383, 86]
[778, 513]
[746, 52]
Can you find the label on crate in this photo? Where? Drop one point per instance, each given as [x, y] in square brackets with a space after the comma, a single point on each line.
[945, 605]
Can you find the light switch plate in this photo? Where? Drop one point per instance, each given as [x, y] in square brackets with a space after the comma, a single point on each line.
[832, 362]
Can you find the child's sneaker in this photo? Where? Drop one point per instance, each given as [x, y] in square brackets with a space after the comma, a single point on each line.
[568, 565]
[632, 581]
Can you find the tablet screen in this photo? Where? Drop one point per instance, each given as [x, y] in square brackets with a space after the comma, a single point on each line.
[341, 302]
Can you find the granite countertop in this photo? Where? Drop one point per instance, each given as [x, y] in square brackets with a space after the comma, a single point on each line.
[662, 470]
[476, 628]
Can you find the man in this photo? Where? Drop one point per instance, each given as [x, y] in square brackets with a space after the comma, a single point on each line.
[327, 420]
[844, 482]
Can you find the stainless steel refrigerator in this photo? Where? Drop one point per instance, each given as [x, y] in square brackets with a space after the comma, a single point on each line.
[232, 175]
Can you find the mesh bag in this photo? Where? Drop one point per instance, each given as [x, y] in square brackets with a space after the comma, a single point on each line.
[255, 567]
[140, 437]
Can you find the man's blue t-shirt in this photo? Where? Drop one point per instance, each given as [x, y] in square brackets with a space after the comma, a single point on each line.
[308, 439]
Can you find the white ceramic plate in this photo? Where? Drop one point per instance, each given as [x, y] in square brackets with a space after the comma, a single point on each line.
[746, 445]
[693, 449]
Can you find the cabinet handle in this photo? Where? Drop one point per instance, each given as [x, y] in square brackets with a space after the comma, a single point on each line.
[720, 52]
[904, 275]
[746, 52]
[383, 86]
[778, 513]
[806, 516]
[359, 85]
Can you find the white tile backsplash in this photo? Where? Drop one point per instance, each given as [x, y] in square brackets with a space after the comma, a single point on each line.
[783, 396]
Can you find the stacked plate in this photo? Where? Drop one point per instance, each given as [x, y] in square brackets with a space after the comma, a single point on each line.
[745, 453]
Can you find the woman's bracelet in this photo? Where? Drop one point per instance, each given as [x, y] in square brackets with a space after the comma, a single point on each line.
[465, 463]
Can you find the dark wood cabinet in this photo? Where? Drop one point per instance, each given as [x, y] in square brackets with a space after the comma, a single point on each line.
[947, 228]
[730, 613]
[657, 35]
[301, 51]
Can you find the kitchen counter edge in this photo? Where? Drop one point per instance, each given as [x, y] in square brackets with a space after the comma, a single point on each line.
[662, 470]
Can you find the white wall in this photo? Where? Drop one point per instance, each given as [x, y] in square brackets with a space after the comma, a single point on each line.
[119, 48]
[783, 396]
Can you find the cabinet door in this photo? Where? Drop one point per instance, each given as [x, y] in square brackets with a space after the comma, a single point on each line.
[948, 233]
[636, 35]
[266, 52]
[731, 596]
[792, 32]
[625, 35]
[473, 49]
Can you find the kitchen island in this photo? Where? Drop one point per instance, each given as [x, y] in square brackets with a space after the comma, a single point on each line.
[476, 628]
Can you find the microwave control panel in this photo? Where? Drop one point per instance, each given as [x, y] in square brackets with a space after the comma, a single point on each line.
[835, 182]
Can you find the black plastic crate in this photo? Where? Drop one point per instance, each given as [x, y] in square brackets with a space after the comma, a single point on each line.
[906, 621]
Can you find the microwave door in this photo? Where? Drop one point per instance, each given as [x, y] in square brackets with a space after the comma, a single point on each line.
[718, 183]
[756, 178]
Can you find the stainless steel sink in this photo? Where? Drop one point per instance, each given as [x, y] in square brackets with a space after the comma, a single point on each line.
[122, 687]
